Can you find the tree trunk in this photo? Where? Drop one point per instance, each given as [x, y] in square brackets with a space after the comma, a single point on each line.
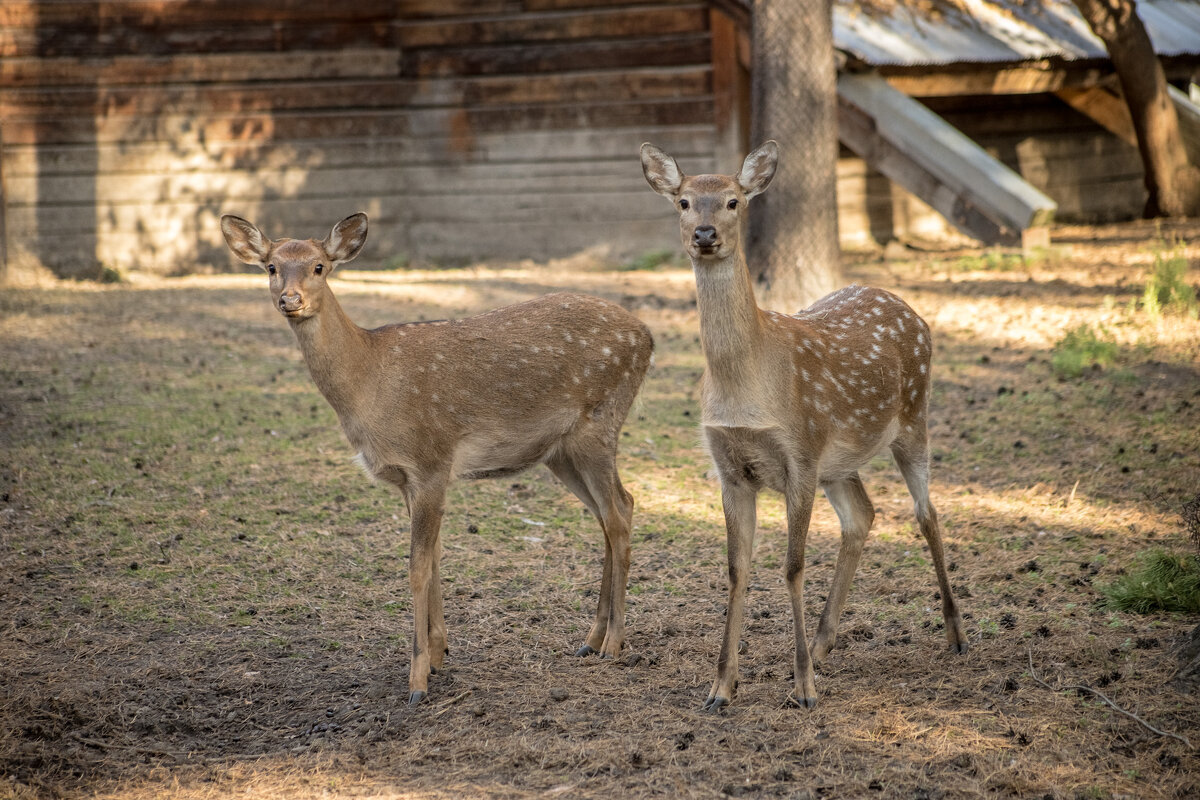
[1173, 185]
[793, 238]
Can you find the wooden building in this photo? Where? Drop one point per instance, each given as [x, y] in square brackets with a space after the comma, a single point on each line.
[465, 129]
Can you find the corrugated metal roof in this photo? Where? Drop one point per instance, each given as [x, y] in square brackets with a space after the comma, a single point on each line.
[997, 31]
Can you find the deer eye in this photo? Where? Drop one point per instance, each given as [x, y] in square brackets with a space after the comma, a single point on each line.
[684, 205]
[732, 204]
[270, 269]
[320, 268]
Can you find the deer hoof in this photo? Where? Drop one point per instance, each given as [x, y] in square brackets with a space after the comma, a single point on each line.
[714, 704]
[800, 702]
[586, 650]
[960, 647]
[414, 698]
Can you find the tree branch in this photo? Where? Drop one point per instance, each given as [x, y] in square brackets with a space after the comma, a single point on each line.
[1114, 706]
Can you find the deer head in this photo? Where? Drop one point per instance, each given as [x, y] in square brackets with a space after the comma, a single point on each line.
[297, 267]
[710, 207]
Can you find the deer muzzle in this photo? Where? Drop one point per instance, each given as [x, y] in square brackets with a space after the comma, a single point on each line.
[704, 237]
[290, 302]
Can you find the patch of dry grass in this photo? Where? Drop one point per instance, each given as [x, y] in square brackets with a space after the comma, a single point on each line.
[200, 596]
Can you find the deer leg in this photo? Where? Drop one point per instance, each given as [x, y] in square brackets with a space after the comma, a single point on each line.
[799, 500]
[855, 513]
[437, 616]
[566, 472]
[914, 465]
[425, 504]
[741, 516]
[602, 492]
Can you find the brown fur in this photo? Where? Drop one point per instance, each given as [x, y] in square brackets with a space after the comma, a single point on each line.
[547, 381]
[796, 402]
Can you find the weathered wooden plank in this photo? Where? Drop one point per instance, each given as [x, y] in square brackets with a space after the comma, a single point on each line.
[1016, 149]
[193, 99]
[176, 38]
[914, 147]
[498, 240]
[1107, 109]
[482, 181]
[458, 218]
[426, 9]
[629, 53]
[223, 67]
[576, 87]
[1031, 78]
[165, 13]
[186, 130]
[462, 124]
[693, 143]
[565, 5]
[202, 99]
[462, 8]
[472, 121]
[602, 24]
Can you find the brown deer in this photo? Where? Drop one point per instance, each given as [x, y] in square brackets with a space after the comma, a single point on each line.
[796, 402]
[545, 381]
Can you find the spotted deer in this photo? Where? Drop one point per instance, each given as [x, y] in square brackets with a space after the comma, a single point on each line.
[546, 381]
[795, 402]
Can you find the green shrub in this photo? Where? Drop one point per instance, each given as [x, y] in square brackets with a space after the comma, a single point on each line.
[1083, 348]
[1162, 582]
[1167, 288]
[651, 260]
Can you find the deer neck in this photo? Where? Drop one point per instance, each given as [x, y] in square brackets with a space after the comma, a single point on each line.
[334, 349]
[730, 320]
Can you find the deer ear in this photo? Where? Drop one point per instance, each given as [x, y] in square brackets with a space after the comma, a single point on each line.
[759, 168]
[661, 171]
[346, 239]
[246, 241]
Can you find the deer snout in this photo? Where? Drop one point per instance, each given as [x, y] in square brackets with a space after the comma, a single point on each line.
[704, 236]
[290, 301]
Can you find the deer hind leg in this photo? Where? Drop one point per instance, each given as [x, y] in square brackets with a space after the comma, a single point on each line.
[913, 459]
[429, 626]
[593, 479]
[855, 513]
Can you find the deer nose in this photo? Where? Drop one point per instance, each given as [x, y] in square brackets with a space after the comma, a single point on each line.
[704, 236]
[290, 302]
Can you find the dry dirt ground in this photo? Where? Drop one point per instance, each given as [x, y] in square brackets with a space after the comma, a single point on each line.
[200, 596]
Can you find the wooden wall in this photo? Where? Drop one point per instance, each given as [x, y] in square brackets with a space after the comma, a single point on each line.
[464, 128]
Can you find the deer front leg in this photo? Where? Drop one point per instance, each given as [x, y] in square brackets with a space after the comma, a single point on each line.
[741, 516]
[429, 627]
[799, 499]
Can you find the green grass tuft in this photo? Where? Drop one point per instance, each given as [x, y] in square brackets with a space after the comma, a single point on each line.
[1167, 289]
[1162, 582]
[1081, 349]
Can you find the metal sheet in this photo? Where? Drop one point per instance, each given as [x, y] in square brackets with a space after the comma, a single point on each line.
[997, 31]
